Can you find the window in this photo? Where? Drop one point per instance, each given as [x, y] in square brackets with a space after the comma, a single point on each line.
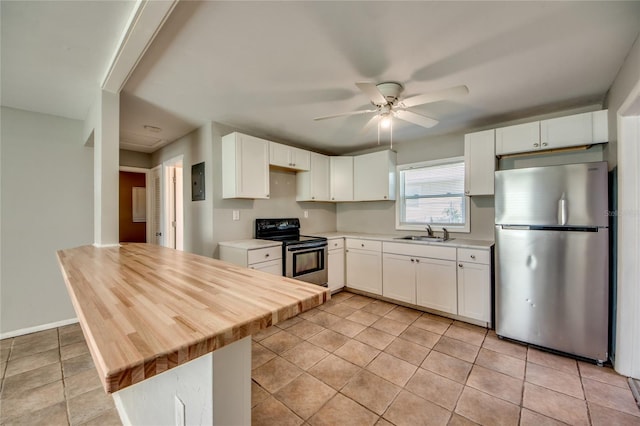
[432, 193]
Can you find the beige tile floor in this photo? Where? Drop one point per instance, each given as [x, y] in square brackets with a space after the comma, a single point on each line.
[355, 361]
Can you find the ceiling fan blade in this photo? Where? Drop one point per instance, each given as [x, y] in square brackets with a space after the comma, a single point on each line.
[435, 96]
[414, 118]
[372, 92]
[370, 124]
[344, 114]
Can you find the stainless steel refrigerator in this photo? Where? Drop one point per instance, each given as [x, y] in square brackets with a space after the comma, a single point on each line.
[552, 257]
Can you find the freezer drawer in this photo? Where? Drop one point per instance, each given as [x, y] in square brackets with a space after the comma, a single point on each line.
[552, 289]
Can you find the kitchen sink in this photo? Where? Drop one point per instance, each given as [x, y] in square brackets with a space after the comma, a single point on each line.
[433, 239]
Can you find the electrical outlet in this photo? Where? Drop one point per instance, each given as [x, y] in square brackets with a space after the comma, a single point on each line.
[236, 215]
[180, 417]
[306, 214]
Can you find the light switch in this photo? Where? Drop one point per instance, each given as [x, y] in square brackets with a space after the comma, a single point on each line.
[236, 215]
[306, 214]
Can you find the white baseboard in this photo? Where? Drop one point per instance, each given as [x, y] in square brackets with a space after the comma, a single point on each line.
[42, 327]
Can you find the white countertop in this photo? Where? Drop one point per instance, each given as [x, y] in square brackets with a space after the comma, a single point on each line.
[250, 244]
[455, 242]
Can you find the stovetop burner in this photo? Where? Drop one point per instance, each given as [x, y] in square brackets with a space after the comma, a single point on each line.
[285, 230]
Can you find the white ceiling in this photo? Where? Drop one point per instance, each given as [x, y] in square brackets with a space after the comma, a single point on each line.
[268, 68]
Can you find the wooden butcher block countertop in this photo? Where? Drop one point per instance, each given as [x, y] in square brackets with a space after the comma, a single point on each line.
[145, 309]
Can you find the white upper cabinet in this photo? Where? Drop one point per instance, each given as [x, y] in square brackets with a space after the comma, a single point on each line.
[479, 162]
[313, 185]
[245, 166]
[341, 178]
[518, 138]
[289, 157]
[579, 129]
[374, 176]
[562, 132]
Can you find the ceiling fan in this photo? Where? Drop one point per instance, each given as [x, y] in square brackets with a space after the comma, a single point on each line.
[385, 98]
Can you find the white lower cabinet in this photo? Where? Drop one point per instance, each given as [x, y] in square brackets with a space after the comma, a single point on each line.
[336, 264]
[436, 285]
[266, 259]
[364, 265]
[447, 279]
[399, 277]
[474, 284]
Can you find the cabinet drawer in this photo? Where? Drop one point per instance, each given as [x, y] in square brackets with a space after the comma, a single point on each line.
[474, 256]
[261, 255]
[337, 243]
[420, 250]
[364, 244]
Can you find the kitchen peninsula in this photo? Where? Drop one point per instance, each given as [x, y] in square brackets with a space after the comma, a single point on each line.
[170, 332]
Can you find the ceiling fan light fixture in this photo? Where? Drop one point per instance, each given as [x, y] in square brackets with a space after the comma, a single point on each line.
[385, 121]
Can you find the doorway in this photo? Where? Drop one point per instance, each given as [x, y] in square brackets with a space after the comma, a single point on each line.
[173, 203]
[132, 205]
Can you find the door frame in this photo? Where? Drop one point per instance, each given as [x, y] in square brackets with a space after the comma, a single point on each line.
[167, 166]
[627, 356]
[147, 180]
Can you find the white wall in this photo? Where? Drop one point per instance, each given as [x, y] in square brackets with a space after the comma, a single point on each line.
[46, 205]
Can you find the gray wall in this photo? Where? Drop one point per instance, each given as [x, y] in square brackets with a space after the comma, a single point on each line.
[135, 159]
[47, 205]
[210, 221]
[380, 216]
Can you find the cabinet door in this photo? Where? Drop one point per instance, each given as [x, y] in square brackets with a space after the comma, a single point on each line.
[279, 155]
[518, 138]
[436, 284]
[399, 277]
[336, 269]
[566, 131]
[374, 176]
[245, 167]
[300, 159]
[313, 185]
[479, 162]
[364, 270]
[474, 291]
[341, 178]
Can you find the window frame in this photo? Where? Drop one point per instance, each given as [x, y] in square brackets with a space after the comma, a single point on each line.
[466, 228]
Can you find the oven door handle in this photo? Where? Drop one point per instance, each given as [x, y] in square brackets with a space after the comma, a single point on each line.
[307, 247]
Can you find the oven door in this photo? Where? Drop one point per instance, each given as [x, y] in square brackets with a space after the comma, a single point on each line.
[307, 262]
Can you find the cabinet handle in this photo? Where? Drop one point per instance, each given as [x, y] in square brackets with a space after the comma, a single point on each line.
[385, 197]
[362, 245]
[412, 260]
[473, 256]
[417, 260]
[267, 195]
[459, 265]
[544, 144]
[266, 255]
[346, 251]
[333, 198]
[335, 244]
[466, 192]
[313, 198]
[536, 145]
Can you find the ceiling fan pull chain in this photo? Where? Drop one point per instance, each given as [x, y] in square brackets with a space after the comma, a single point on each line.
[378, 132]
[391, 132]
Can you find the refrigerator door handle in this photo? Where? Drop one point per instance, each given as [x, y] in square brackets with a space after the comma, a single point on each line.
[516, 227]
[562, 211]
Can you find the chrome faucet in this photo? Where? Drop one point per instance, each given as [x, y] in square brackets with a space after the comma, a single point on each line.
[429, 230]
[446, 234]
